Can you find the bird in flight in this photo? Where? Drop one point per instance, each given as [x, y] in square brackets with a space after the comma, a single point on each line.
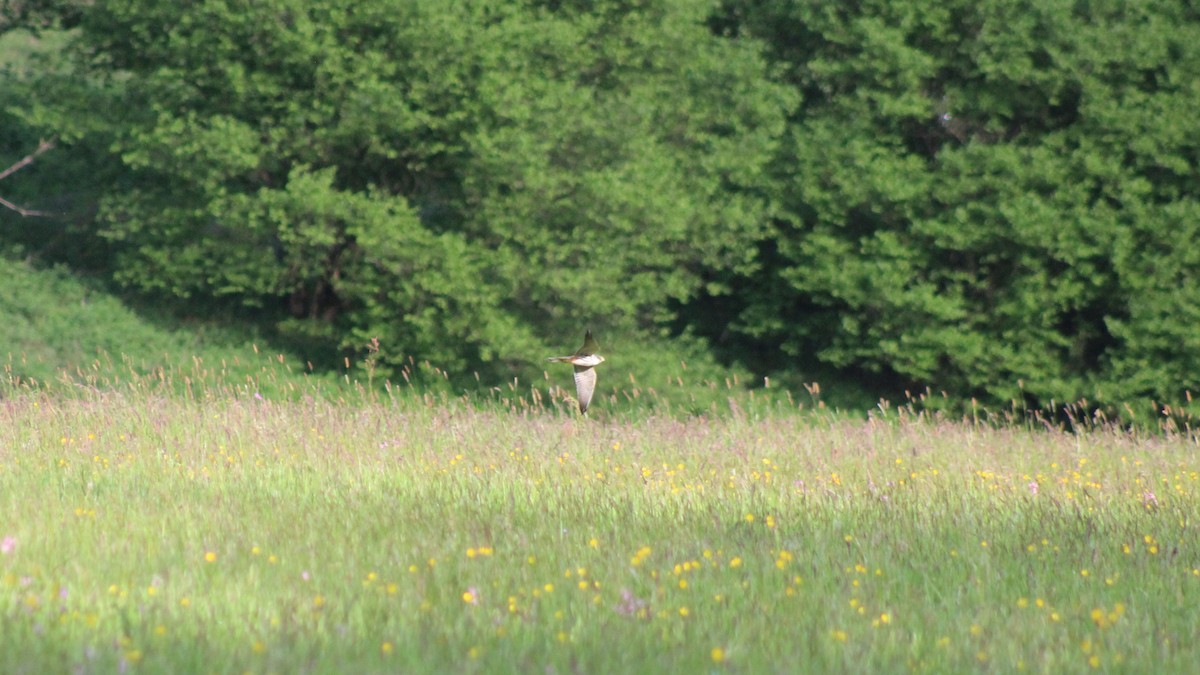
[584, 360]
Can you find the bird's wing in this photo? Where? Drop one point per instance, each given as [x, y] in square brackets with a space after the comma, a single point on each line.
[585, 384]
[589, 345]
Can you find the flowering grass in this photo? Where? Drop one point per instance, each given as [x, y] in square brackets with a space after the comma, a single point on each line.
[159, 532]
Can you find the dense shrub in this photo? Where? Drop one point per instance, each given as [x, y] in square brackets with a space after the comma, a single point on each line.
[998, 199]
[459, 180]
[993, 199]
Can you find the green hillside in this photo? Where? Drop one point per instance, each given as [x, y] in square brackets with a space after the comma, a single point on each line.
[59, 332]
[56, 328]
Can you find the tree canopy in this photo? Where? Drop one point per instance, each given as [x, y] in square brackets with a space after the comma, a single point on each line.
[456, 178]
[987, 198]
[996, 199]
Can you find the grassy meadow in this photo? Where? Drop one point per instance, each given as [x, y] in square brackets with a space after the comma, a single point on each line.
[145, 527]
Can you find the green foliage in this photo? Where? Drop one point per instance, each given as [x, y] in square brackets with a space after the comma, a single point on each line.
[458, 180]
[995, 199]
[64, 182]
[38, 15]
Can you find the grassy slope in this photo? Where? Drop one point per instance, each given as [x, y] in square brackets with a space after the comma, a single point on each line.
[58, 332]
[421, 535]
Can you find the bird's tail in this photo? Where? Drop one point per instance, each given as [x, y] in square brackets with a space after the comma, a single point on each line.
[558, 359]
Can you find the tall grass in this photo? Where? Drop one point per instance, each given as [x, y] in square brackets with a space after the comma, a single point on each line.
[169, 523]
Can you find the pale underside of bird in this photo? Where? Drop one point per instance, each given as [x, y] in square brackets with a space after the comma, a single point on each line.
[585, 359]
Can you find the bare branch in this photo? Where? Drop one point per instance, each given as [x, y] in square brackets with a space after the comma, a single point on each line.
[43, 146]
[28, 159]
[24, 212]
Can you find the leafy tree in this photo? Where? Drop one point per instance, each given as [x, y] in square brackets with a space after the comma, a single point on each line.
[35, 15]
[51, 193]
[458, 179]
[991, 198]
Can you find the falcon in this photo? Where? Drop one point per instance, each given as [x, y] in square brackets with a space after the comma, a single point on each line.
[585, 359]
